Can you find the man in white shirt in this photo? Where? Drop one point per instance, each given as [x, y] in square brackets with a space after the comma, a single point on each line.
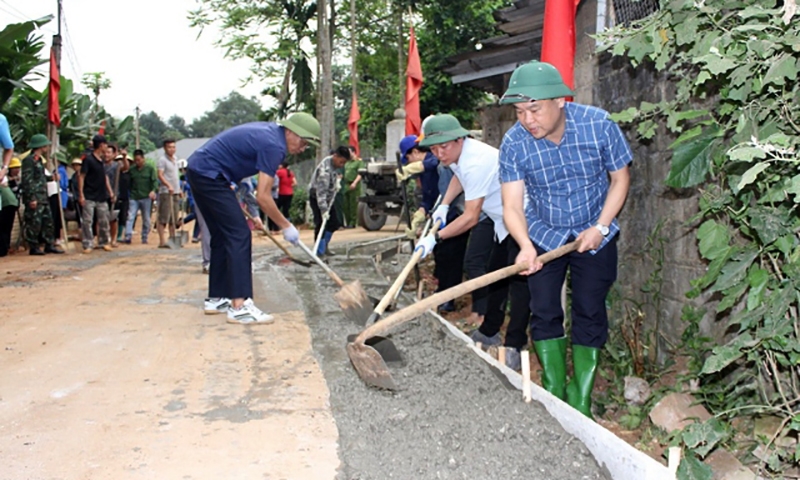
[476, 173]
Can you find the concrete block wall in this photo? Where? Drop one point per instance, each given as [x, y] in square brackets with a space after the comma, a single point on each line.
[617, 87]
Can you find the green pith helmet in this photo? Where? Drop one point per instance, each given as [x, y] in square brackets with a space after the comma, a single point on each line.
[304, 125]
[442, 128]
[38, 141]
[535, 81]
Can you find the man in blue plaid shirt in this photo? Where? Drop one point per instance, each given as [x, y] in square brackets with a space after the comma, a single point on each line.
[572, 161]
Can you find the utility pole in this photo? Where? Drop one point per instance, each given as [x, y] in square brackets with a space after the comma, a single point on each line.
[136, 124]
[52, 132]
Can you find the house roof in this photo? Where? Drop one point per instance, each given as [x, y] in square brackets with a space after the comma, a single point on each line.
[185, 147]
[520, 42]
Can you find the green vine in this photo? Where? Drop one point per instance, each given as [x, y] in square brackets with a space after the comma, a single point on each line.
[736, 115]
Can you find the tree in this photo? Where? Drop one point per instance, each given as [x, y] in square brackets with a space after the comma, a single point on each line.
[270, 33]
[178, 124]
[20, 52]
[27, 115]
[152, 127]
[96, 82]
[228, 112]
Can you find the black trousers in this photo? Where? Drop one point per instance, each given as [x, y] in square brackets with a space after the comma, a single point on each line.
[591, 277]
[285, 204]
[230, 273]
[333, 219]
[55, 211]
[476, 262]
[519, 300]
[449, 256]
[7, 215]
[122, 205]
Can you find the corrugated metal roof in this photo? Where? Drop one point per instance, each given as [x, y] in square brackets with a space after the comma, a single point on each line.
[522, 41]
[185, 147]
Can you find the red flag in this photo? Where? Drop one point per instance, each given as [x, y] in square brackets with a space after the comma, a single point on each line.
[352, 125]
[413, 86]
[102, 130]
[53, 112]
[558, 37]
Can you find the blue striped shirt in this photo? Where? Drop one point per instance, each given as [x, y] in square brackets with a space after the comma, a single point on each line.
[566, 183]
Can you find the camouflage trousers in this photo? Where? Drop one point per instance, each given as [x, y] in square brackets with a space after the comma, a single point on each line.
[38, 224]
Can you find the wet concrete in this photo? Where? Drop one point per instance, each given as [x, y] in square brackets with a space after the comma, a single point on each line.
[451, 418]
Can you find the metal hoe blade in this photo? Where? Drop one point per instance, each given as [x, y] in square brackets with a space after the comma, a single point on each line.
[385, 348]
[370, 366]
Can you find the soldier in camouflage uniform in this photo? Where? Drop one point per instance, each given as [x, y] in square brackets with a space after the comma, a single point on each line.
[38, 218]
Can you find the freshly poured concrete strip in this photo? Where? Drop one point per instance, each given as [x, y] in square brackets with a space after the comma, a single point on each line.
[451, 418]
[622, 460]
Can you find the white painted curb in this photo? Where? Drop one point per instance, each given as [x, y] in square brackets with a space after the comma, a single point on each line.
[623, 461]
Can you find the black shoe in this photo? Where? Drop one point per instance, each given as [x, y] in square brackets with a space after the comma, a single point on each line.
[447, 307]
[52, 249]
[36, 251]
[329, 253]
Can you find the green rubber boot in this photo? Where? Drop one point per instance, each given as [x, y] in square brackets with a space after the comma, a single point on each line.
[553, 357]
[579, 390]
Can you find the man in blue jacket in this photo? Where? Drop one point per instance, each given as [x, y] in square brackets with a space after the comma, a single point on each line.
[235, 154]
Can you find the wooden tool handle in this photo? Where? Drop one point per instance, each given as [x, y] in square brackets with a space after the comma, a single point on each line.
[266, 232]
[420, 307]
[319, 262]
[401, 279]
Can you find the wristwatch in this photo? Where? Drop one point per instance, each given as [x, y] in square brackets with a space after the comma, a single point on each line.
[436, 237]
[603, 229]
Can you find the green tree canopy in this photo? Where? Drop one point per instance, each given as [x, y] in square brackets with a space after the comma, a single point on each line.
[152, 127]
[228, 112]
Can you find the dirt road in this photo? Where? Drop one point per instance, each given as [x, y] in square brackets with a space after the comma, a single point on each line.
[110, 370]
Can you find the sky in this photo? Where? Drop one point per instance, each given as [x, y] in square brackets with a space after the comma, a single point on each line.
[145, 47]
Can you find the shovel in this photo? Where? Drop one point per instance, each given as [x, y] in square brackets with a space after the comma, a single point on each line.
[325, 217]
[183, 234]
[368, 362]
[173, 242]
[276, 242]
[352, 299]
[398, 283]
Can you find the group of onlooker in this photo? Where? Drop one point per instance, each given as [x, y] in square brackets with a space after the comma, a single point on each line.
[104, 193]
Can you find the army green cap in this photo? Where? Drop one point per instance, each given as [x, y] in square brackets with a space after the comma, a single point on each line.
[535, 81]
[442, 128]
[304, 125]
[38, 141]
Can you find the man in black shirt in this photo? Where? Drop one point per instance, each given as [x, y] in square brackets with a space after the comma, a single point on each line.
[94, 192]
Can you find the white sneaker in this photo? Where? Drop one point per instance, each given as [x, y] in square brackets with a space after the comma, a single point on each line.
[249, 314]
[213, 306]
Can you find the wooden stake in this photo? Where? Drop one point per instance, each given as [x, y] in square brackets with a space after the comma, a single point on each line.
[501, 355]
[674, 458]
[525, 355]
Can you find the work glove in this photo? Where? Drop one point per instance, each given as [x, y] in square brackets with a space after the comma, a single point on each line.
[440, 214]
[326, 216]
[409, 170]
[426, 245]
[291, 235]
[417, 221]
